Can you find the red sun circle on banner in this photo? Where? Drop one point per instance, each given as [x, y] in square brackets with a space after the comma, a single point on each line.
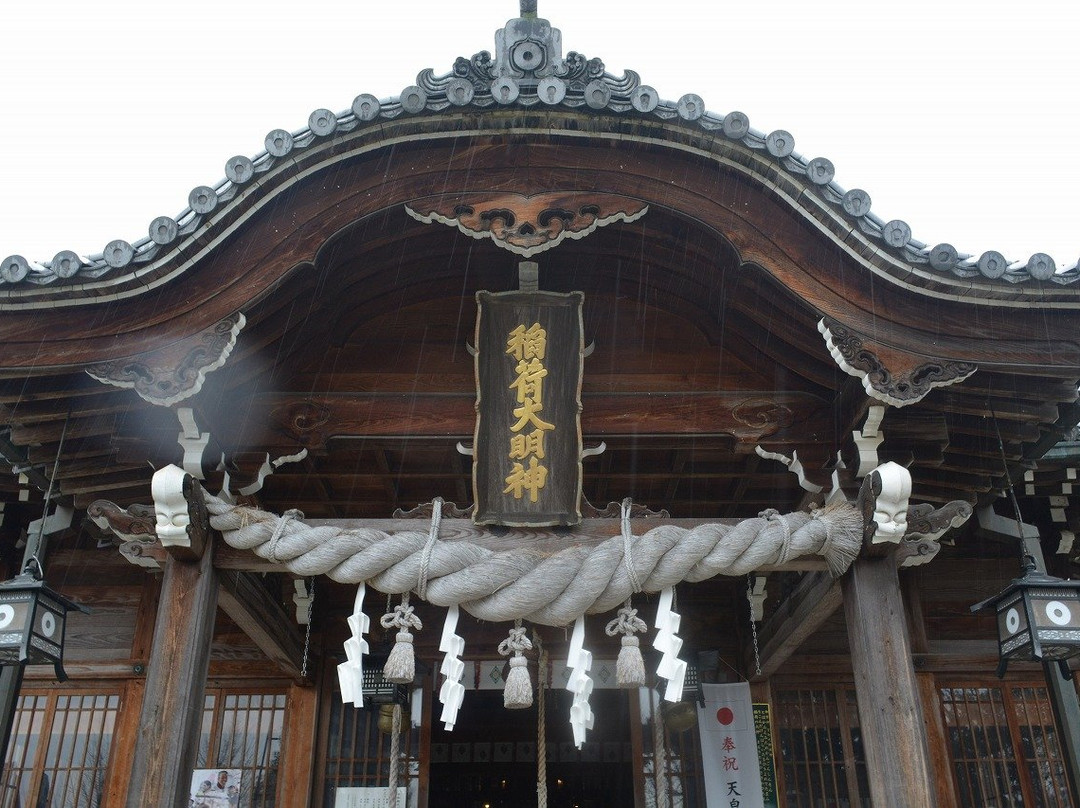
[725, 716]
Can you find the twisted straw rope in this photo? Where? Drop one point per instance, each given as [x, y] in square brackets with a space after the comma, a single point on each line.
[548, 589]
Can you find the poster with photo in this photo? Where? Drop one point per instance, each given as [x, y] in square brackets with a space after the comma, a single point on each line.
[216, 788]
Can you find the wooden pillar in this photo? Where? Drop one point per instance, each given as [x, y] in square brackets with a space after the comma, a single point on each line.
[1066, 704]
[424, 752]
[893, 734]
[172, 707]
[937, 741]
[127, 726]
[298, 759]
[637, 746]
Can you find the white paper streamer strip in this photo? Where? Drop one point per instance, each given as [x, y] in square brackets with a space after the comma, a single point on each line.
[351, 672]
[667, 643]
[580, 684]
[452, 691]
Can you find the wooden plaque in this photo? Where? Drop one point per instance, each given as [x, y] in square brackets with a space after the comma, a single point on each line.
[527, 453]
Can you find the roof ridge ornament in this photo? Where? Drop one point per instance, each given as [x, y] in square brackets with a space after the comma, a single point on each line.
[529, 71]
[528, 56]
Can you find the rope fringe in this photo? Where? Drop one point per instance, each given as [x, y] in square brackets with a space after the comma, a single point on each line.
[517, 692]
[630, 667]
[400, 667]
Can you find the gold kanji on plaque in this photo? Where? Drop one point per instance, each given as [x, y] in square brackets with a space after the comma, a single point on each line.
[530, 479]
[528, 346]
[527, 343]
[527, 455]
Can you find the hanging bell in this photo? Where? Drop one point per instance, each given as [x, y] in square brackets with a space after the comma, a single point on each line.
[679, 716]
[386, 718]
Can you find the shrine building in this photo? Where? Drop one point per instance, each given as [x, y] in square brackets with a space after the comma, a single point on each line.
[454, 449]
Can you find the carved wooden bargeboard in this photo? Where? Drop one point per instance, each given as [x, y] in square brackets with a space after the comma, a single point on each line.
[527, 454]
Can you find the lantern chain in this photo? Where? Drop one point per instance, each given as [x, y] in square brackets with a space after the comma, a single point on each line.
[753, 625]
[307, 632]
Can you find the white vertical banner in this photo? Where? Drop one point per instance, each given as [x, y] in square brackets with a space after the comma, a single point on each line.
[729, 753]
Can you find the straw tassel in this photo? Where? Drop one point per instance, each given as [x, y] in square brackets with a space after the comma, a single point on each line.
[630, 669]
[400, 667]
[518, 692]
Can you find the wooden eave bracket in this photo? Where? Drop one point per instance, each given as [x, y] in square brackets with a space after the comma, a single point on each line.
[909, 532]
[892, 524]
[169, 375]
[136, 523]
[136, 529]
[527, 224]
[183, 526]
[889, 375]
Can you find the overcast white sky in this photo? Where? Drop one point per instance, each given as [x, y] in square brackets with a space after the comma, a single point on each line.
[959, 117]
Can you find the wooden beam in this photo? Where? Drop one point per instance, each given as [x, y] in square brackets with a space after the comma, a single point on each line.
[171, 715]
[890, 713]
[804, 611]
[289, 418]
[247, 603]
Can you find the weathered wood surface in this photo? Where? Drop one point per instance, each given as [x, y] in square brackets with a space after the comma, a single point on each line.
[798, 617]
[167, 738]
[248, 604]
[637, 751]
[890, 712]
[936, 740]
[1063, 695]
[125, 734]
[106, 632]
[426, 720]
[298, 754]
[781, 417]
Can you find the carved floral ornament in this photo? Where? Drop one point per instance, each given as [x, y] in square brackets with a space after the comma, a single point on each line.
[176, 372]
[888, 375]
[527, 225]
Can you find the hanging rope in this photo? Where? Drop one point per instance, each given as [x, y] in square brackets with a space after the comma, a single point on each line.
[630, 668]
[425, 556]
[628, 545]
[275, 537]
[395, 756]
[544, 589]
[541, 733]
[659, 756]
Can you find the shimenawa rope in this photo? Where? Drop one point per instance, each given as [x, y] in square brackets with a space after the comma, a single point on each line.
[546, 589]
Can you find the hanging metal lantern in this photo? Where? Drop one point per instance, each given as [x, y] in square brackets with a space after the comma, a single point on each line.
[377, 690]
[1038, 618]
[32, 621]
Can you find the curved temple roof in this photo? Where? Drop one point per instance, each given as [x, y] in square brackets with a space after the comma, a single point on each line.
[529, 71]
